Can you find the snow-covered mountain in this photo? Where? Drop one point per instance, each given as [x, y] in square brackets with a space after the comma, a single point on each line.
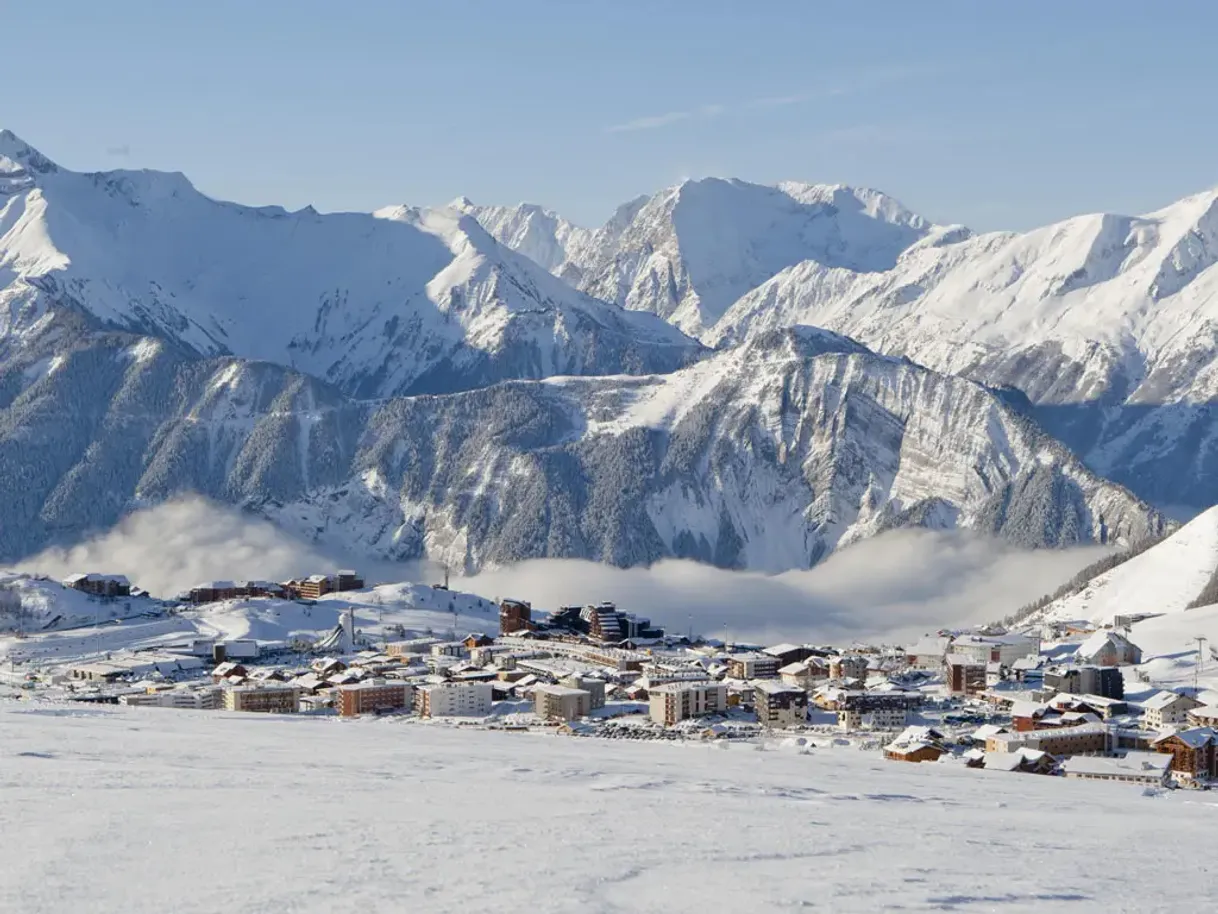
[1108, 323]
[767, 456]
[153, 341]
[412, 301]
[689, 252]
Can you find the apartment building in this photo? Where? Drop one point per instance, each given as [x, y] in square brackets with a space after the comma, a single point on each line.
[594, 687]
[264, 697]
[753, 665]
[454, 699]
[779, 705]
[679, 701]
[557, 702]
[373, 695]
[1166, 708]
[965, 674]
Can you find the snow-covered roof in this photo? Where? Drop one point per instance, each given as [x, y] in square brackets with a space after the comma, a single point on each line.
[1098, 641]
[985, 731]
[558, 690]
[1194, 737]
[1028, 709]
[963, 660]
[770, 687]
[1165, 699]
[929, 647]
[1132, 764]
[778, 649]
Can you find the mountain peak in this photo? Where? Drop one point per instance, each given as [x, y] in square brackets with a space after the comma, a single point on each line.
[22, 154]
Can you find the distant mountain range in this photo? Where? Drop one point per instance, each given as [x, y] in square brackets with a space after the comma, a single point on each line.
[744, 375]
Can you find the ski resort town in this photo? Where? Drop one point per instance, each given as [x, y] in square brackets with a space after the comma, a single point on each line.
[1069, 698]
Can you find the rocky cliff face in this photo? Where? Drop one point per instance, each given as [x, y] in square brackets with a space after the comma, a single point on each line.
[768, 456]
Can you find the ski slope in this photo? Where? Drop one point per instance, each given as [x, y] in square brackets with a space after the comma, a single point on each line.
[1164, 579]
[146, 811]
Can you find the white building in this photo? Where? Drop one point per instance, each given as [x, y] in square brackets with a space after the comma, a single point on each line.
[1107, 648]
[454, 699]
[1004, 649]
[1164, 709]
[679, 701]
[448, 649]
[1152, 768]
[928, 653]
[886, 717]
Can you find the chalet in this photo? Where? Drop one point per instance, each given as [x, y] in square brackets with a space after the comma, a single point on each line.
[1030, 761]
[1108, 648]
[227, 669]
[99, 585]
[848, 666]
[327, 666]
[1204, 716]
[476, 640]
[1194, 752]
[916, 744]
[804, 673]
[1166, 708]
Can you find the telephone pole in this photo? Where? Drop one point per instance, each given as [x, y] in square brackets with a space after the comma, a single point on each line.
[1200, 639]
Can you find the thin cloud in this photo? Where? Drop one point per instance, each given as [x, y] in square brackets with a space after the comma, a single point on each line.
[852, 84]
[650, 123]
[121, 152]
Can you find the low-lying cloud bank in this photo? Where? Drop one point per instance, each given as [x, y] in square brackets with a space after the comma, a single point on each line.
[174, 546]
[895, 586]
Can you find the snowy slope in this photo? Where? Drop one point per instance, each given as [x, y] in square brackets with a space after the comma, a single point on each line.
[690, 251]
[1164, 579]
[385, 815]
[35, 603]
[414, 301]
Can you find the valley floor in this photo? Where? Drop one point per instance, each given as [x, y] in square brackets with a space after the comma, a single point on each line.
[145, 810]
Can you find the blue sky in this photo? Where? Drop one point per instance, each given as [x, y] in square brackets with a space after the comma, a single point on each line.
[998, 115]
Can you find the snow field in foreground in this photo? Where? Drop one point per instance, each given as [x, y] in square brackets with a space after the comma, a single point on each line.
[144, 810]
